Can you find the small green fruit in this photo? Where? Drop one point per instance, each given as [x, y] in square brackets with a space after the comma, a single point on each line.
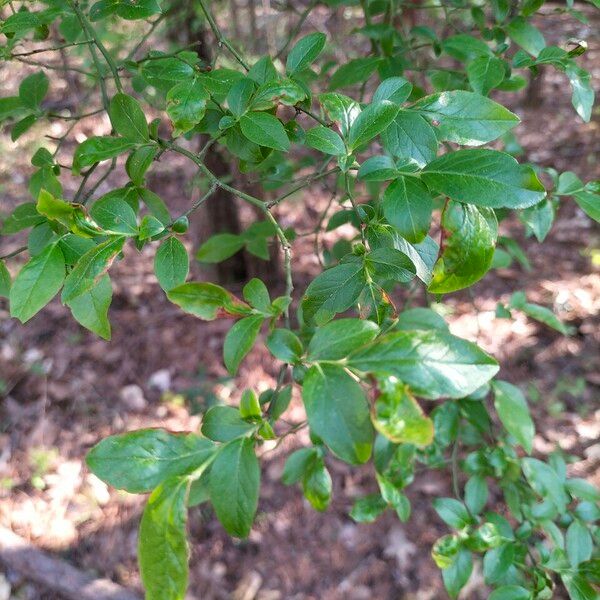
[181, 225]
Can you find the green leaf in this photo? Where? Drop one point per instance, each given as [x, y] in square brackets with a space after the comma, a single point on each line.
[162, 547]
[338, 412]
[324, 140]
[485, 178]
[469, 243]
[257, 295]
[279, 402]
[511, 406]
[239, 341]
[452, 512]
[265, 130]
[394, 89]
[341, 110]
[411, 137]
[224, 424]
[234, 486]
[433, 363]
[207, 301]
[150, 227]
[476, 494]
[238, 98]
[399, 417]
[539, 219]
[465, 47]
[5, 280]
[339, 338]
[128, 119]
[333, 291]
[23, 216]
[249, 405]
[186, 105]
[280, 91]
[583, 92]
[305, 51]
[358, 70]
[55, 209]
[263, 70]
[114, 215]
[485, 73]
[219, 247]
[465, 117]
[458, 573]
[378, 168]
[497, 562]
[91, 309]
[138, 461]
[568, 183]
[578, 587]
[510, 592]
[42, 158]
[526, 35]
[44, 178]
[587, 201]
[134, 9]
[368, 508]
[296, 465]
[164, 73]
[74, 247]
[580, 488]
[21, 22]
[99, 148]
[422, 255]
[20, 127]
[171, 264]
[316, 484]
[139, 161]
[539, 313]
[371, 122]
[579, 544]
[10, 106]
[199, 492]
[417, 318]
[33, 90]
[156, 205]
[90, 267]
[407, 205]
[544, 480]
[285, 345]
[37, 283]
[389, 264]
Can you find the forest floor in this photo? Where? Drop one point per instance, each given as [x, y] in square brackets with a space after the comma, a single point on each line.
[62, 390]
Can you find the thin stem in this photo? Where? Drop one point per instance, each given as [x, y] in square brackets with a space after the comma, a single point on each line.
[145, 37]
[306, 182]
[297, 28]
[52, 49]
[221, 39]
[312, 115]
[51, 67]
[74, 117]
[87, 27]
[84, 180]
[13, 253]
[111, 168]
[354, 206]
[200, 201]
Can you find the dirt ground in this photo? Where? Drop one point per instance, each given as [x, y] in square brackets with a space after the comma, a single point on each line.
[62, 390]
